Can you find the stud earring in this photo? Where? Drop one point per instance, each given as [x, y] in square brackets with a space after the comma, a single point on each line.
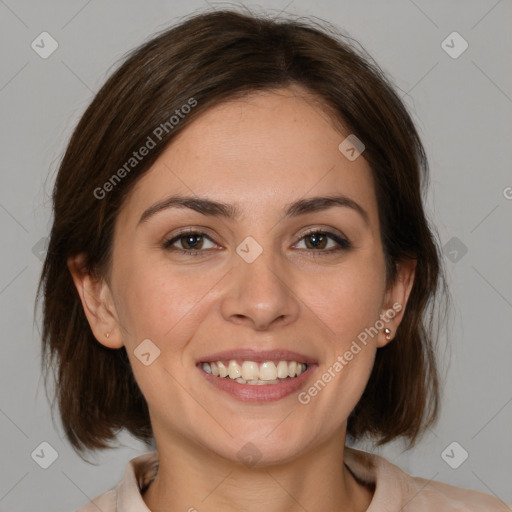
[107, 334]
[387, 332]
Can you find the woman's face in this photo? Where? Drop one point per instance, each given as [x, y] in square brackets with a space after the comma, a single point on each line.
[257, 281]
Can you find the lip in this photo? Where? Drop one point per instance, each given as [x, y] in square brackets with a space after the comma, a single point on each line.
[258, 356]
[256, 393]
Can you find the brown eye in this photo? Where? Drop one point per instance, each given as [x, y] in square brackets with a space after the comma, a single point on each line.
[319, 241]
[316, 241]
[192, 242]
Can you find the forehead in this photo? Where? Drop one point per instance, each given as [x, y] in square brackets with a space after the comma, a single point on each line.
[261, 151]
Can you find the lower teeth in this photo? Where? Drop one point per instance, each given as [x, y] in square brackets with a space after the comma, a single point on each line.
[259, 382]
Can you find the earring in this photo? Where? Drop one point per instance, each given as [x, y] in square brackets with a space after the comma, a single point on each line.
[107, 334]
[387, 332]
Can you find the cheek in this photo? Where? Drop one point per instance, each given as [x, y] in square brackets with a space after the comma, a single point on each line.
[165, 311]
[162, 302]
[347, 300]
[351, 311]
[152, 306]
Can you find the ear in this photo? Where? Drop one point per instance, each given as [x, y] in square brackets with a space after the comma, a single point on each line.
[395, 300]
[97, 302]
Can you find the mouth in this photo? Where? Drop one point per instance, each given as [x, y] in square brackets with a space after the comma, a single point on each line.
[257, 376]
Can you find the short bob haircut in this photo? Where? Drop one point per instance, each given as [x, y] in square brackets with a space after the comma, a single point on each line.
[206, 59]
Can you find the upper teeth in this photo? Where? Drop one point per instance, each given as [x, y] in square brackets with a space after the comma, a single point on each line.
[250, 370]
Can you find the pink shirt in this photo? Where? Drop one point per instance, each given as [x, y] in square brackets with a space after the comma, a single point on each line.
[395, 490]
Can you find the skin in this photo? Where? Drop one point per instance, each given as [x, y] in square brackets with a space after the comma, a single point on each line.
[260, 154]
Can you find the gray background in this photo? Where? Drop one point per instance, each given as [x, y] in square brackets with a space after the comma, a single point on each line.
[463, 109]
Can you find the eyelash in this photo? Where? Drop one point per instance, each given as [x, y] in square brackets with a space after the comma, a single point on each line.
[343, 243]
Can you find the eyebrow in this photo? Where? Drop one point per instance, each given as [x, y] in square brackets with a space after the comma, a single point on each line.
[228, 211]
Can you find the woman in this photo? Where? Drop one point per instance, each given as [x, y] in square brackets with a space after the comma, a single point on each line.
[240, 268]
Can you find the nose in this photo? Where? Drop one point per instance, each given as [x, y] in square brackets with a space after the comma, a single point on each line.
[260, 294]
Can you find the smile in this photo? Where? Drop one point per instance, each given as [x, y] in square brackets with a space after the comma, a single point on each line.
[265, 382]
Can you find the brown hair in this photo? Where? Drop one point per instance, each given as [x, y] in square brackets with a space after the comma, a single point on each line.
[207, 59]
